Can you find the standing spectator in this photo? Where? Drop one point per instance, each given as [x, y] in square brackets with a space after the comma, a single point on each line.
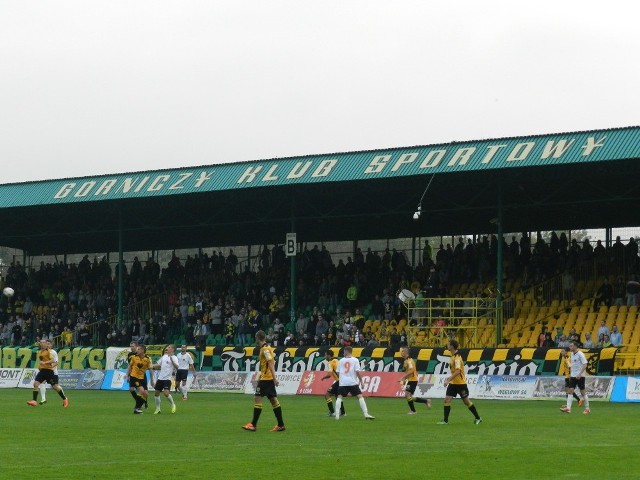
[615, 337]
[633, 287]
[229, 331]
[603, 295]
[619, 292]
[456, 384]
[568, 285]
[603, 330]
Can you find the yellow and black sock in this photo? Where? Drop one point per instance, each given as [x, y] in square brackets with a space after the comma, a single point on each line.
[330, 405]
[257, 410]
[447, 411]
[277, 411]
[472, 409]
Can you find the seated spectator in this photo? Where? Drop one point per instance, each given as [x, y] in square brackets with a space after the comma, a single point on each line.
[604, 341]
[588, 342]
[548, 341]
[563, 342]
[573, 336]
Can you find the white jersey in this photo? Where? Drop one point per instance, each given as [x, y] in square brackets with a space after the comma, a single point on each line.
[184, 360]
[347, 368]
[167, 365]
[578, 360]
[54, 357]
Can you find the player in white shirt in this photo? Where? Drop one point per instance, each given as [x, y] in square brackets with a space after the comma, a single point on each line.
[349, 377]
[185, 363]
[578, 369]
[167, 364]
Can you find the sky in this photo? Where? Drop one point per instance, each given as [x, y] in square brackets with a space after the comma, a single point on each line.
[96, 87]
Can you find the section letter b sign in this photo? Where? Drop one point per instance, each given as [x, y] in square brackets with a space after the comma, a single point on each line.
[290, 245]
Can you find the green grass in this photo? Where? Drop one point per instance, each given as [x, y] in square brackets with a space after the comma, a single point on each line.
[99, 437]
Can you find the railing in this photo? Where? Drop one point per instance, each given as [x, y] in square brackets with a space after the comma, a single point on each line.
[472, 321]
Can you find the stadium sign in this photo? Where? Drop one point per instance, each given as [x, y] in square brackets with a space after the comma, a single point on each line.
[580, 147]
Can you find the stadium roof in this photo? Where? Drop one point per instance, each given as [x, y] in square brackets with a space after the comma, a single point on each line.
[559, 181]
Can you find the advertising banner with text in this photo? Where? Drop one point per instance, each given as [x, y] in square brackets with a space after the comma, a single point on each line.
[481, 361]
[9, 377]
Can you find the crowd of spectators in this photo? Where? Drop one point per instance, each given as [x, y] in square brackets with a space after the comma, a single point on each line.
[213, 295]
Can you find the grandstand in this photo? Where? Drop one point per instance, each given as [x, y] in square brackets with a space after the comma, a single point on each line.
[352, 216]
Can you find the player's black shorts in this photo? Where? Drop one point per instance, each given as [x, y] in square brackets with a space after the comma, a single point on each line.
[138, 382]
[345, 390]
[333, 389]
[454, 389]
[411, 386]
[181, 375]
[566, 382]
[163, 385]
[46, 375]
[266, 388]
[575, 382]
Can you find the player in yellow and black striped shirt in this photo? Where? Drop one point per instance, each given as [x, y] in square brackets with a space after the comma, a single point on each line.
[48, 372]
[456, 384]
[332, 391]
[137, 375]
[267, 383]
[411, 377]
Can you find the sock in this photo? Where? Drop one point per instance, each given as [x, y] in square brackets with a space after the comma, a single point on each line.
[134, 394]
[341, 408]
[569, 401]
[157, 400]
[257, 410]
[586, 400]
[35, 393]
[185, 391]
[338, 407]
[447, 411]
[575, 395]
[43, 392]
[363, 405]
[411, 405]
[170, 398]
[330, 405]
[277, 411]
[472, 409]
[61, 393]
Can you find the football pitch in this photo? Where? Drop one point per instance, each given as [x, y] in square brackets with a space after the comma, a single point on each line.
[99, 437]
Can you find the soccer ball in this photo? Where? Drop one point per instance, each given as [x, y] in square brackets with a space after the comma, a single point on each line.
[8, 291]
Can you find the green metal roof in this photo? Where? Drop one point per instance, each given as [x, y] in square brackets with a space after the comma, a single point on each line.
[495, 154]
[546, 182]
